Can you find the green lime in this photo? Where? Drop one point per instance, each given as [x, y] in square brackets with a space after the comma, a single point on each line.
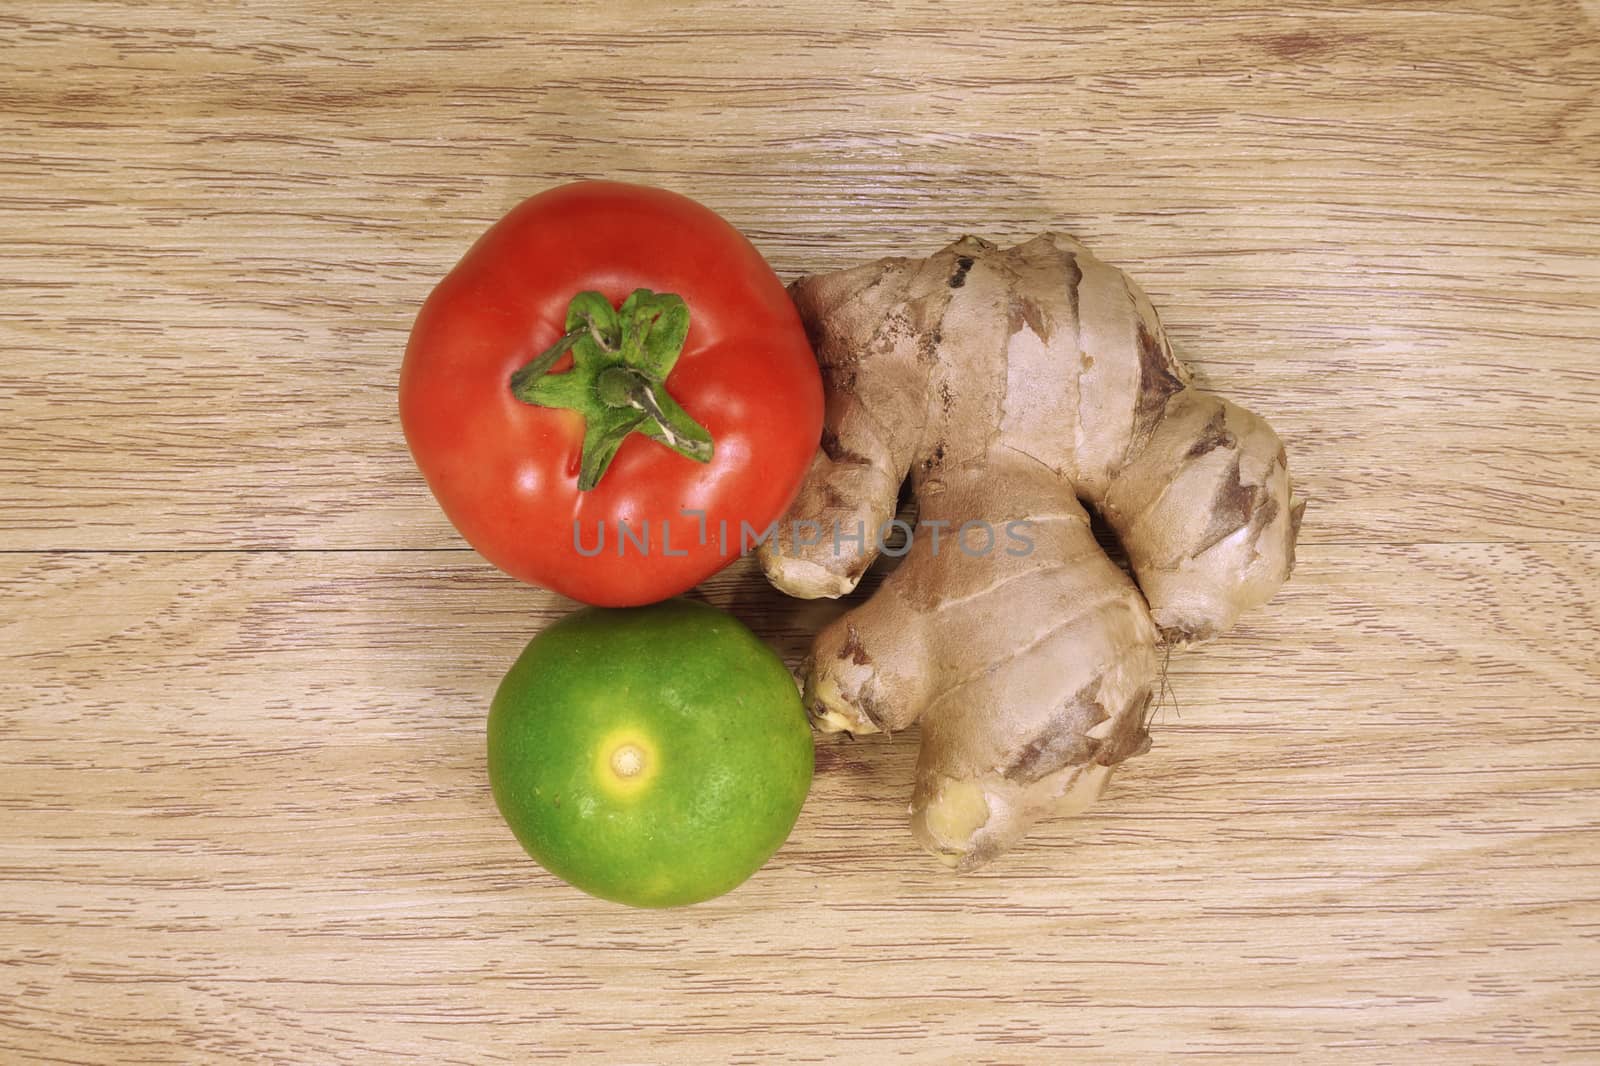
[654, 756]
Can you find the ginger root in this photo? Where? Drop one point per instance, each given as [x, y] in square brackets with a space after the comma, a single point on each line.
[1013, 386]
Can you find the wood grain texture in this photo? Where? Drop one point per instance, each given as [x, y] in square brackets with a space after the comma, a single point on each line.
[244, 662]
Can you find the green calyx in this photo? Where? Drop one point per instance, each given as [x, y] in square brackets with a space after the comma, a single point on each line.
[621, 357]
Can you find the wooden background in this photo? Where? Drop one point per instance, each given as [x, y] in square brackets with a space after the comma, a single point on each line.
[246, 662]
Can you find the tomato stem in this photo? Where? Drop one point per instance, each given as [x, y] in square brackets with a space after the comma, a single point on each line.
[621, 357]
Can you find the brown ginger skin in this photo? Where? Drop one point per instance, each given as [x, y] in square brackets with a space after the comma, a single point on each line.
[1013, 387]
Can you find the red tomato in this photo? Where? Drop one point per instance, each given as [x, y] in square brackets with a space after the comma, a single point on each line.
[506, 471]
